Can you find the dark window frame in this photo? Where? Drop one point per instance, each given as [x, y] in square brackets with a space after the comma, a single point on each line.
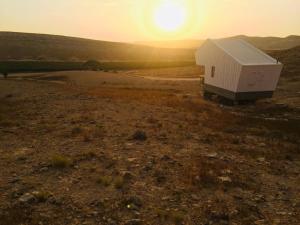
[213, 71]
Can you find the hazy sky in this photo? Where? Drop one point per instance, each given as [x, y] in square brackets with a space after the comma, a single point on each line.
[132, 20]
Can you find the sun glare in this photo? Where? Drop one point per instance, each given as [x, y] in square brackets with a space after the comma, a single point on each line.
[170, 16]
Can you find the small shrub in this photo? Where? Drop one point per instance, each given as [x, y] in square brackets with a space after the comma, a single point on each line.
[86, 137]
[119, 182]
[98, 131]
[91, 154]
[41, 196]
[162, 214]
[59, 161]
[104, 180]
[235, 141]
[160, 176]
[92, 65]
[76, 131]
[5, 74]
[175, 216]
[139, 136]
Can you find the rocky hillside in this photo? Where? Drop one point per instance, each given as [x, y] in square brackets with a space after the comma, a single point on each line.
[291, 60]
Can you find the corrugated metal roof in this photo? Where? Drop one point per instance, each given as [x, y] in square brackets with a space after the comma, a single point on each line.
[244, 52]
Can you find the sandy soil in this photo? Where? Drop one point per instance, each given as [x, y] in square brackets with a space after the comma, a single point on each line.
[118, 148]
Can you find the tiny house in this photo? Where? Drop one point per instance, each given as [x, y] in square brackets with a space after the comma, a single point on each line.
[237, 71]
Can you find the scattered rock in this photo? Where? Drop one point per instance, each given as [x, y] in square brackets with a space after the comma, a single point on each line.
[226, 171]
[166, 198]
[262, 145]
[44, 169]
[195, 197]
[131, 159]
[261, 159]
[212, 155]
[55, 201]
[27, 198]
[225, 179]
[133, 222]
[259, 198]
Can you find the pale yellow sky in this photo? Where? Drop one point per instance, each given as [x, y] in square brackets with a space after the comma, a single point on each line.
[133, 20]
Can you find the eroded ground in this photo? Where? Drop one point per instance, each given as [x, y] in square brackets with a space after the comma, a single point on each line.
[115, 148]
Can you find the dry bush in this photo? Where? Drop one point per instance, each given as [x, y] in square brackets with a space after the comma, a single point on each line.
[139, 136]
[41, 196]
[208, 172]
[201, 172]
[88, 133]
[60, 162]
[76, 131]
[104, 180]
[119, 182]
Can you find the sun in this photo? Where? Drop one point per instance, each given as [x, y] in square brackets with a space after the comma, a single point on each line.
[170, 16]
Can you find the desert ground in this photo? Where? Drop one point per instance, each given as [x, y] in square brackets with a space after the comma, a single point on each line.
[144, 147]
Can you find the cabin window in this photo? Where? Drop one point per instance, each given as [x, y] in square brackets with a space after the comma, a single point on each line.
[213, 71]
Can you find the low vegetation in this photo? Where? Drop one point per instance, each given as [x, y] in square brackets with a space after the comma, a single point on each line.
[47, 66]
[290, 58]
[60, 161]
[105, 180]
[165, 216]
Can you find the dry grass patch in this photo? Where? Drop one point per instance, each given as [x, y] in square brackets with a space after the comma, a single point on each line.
[104, 180]
[119, 182]
[60, 162]
[213, 172]
[76, 131]
[142, 95]
[41, 196]
[165, 216]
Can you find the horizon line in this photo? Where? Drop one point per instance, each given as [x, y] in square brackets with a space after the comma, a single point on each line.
[157, 40]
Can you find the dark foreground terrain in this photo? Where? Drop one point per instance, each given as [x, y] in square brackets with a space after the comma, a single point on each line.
[121, 148]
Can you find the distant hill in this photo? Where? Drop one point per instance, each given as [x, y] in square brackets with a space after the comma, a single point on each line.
[273, 43]
[265, 43]
[291, 60]
[183, 44]
[26, 46]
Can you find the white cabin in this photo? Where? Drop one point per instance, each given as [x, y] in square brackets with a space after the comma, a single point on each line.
[237, 70]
